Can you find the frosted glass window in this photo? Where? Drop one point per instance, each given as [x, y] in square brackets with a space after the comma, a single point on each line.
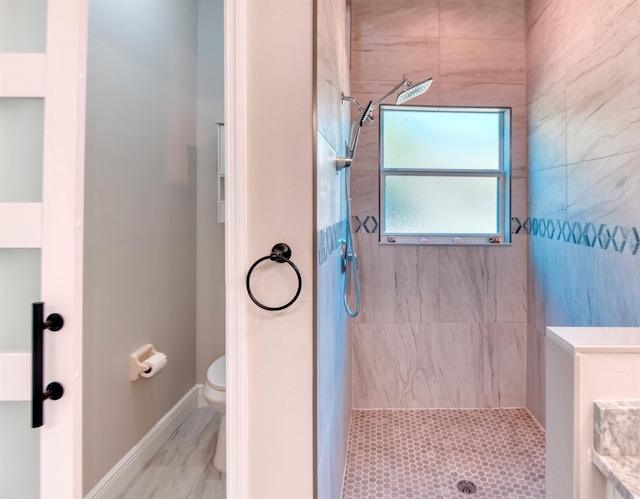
[19, 288]
[21, 150]
[441, 205]
[441, 140]
[444, 175]
[19, 452]
[23, 25]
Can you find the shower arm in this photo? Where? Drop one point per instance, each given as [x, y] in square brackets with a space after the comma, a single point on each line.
[375, 106]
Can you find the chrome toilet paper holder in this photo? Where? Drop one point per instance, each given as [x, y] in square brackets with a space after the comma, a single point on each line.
[145, 362]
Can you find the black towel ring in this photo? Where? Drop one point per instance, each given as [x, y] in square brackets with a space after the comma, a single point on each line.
[280, 253]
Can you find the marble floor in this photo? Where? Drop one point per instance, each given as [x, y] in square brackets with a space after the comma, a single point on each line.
[183, 467]
[490, 453]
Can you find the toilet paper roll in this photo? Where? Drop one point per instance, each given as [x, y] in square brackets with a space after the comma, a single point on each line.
[155, 363]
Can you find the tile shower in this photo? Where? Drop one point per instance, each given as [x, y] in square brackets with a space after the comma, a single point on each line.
[463, 327]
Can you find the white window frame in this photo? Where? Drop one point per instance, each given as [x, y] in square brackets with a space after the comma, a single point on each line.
[503, 175]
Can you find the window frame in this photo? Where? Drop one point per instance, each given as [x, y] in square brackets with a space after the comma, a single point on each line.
[502, 174]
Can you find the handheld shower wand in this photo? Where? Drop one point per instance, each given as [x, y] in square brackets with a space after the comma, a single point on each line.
[350, 258]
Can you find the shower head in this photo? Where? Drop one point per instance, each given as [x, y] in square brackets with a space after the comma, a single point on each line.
[413, 91]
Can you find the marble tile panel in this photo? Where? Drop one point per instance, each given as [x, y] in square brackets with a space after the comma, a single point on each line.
[429, 283]
[511, 95]
[193, 443]
[535, 374]
[546, 35]
[547, 142]
[467, 284]
[365, 192]
[408, 295]
[555, 282]
[519, 198]
[603, 95]
[605, 190]
[616, 298]
[391, 366]
[377, 279]
[329, 185]
[332, 72]
[504, 363]
[488, 19]
[382, 18]
[377, 58]
[535, 279]
[458, 366]
[511, 281]
[482, 61]
[548, 193]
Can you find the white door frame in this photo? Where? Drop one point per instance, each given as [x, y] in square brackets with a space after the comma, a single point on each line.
[235, 117]
[55, 225]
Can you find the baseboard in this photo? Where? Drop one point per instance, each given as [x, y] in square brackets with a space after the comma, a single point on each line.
[114, 483]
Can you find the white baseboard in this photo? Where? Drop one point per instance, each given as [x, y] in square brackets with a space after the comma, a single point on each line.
[114, 483]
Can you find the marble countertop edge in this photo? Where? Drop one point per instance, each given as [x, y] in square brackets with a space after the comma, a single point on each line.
[623, 471]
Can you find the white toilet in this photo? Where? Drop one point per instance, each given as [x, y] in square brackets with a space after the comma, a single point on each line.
[215, 394]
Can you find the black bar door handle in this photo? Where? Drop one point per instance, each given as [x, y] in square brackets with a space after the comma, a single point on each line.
[54, 390]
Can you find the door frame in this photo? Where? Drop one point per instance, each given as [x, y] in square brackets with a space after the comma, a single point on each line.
[236, 231]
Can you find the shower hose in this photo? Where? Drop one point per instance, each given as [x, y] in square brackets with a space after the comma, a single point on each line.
[350, 256]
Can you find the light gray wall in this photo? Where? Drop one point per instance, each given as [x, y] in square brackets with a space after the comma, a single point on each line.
[333, 338]
[140, 212]
[210, 253]
[583, 96]
[440, 326]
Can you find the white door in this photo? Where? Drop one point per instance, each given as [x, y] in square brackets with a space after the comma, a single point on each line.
[42, 109]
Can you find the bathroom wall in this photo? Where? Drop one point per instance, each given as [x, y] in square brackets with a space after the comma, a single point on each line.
[333, 340]
[440, 326]
[280, 208]
[210, 278]
[583, 96]
[140, 219]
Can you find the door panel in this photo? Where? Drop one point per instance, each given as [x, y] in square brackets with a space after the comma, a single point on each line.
[21, 150]
[23, 25]
[19, 452]
[42, 107]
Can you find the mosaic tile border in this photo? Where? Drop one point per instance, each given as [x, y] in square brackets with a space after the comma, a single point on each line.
[329, 240]
[614, 238]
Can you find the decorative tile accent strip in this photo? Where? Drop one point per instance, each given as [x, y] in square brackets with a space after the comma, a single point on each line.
[369, 224]
[615, 238]
[329, 240]
[426, 452]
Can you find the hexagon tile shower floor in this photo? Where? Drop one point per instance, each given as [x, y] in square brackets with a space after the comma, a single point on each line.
[444, 453]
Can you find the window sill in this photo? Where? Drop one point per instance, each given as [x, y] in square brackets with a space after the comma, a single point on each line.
[442, 243]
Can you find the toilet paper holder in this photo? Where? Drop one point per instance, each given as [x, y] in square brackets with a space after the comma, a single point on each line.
[145, 362]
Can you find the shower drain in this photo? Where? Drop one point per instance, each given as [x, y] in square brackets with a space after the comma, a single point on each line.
[467, 487]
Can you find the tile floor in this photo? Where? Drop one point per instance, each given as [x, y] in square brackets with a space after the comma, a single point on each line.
[183, 467]
[425, 453]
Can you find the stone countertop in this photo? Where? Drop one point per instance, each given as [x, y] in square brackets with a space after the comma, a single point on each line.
[616, 439]
[622, 471]
[597, 339]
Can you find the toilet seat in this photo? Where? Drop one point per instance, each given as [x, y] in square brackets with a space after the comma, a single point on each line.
[217, 374]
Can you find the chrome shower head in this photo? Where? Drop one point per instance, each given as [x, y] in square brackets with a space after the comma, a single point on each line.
[413, 91]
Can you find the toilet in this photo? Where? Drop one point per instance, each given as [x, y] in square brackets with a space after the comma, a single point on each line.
[215, 394]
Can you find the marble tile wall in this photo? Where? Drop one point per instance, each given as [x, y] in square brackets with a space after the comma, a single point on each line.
[583, 100]
[333, 339]
[440, 327]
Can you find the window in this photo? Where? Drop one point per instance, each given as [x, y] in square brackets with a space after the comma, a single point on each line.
[444, 174]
